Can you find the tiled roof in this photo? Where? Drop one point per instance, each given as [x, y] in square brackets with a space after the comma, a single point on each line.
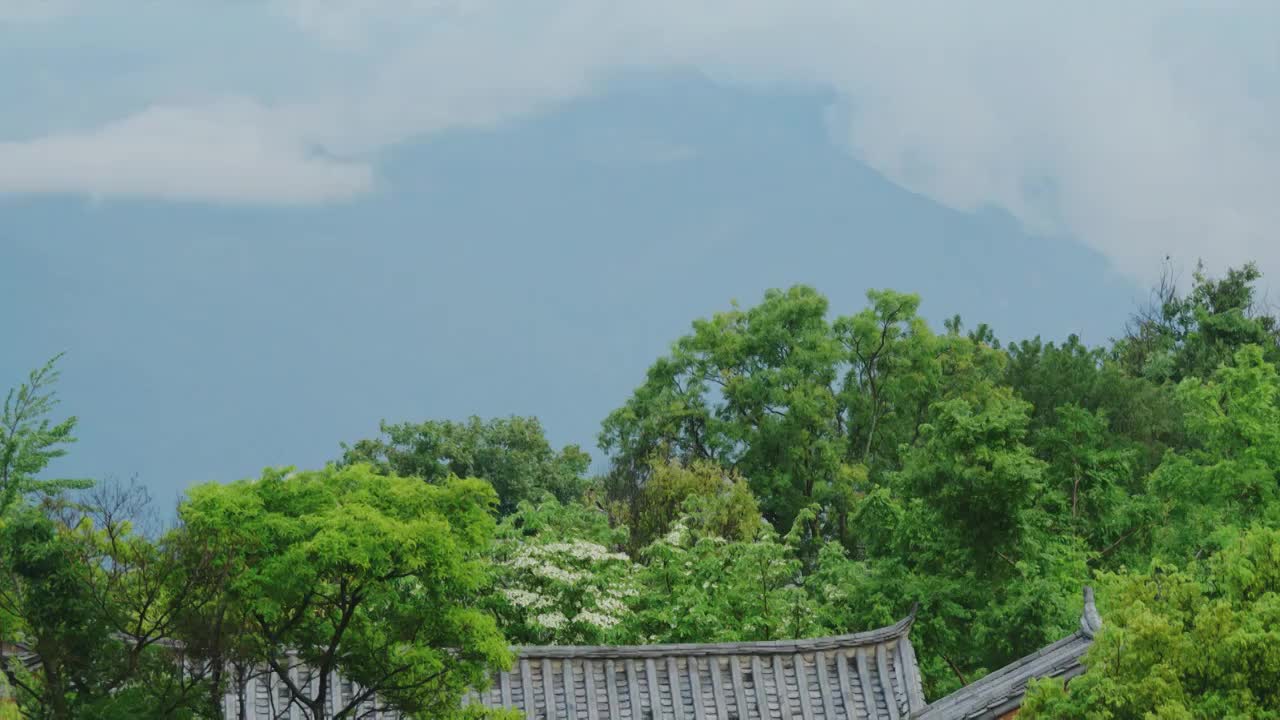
[1002, 691]
[871, 675]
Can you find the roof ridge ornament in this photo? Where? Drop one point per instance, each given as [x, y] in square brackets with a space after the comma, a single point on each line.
[1090, 620]
[1001, 691]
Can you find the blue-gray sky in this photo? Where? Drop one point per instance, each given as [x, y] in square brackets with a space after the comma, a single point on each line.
[259, 227]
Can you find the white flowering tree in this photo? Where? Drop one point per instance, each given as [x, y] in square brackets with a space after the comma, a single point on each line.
[561, 577]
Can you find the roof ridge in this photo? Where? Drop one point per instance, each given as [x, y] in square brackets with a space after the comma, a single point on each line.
[877, 636]
[1003, 688]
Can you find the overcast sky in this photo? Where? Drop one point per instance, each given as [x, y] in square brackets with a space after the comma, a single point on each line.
[258, 226]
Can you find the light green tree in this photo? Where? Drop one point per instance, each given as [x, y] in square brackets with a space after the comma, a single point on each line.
[1200, 642]
[29, 440]
[377, 577]
[1229, 477]
[704, 588]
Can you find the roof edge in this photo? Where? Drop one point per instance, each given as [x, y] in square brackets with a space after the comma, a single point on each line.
[890, 633]
[1004, 688]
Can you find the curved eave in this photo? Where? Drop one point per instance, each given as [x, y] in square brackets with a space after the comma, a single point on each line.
[1002, 691]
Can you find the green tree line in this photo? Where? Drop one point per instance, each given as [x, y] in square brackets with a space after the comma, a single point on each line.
[783, 471]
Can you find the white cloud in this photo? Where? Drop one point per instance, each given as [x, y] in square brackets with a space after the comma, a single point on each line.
[1143, 129]
[222, 152]
[33, 11]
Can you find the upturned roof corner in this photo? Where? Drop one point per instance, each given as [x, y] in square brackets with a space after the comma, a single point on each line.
[1001, 691]
[1090, 620]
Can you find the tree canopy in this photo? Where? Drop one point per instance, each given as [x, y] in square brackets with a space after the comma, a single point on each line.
[376, 577]
[512, 454]
[784, 471]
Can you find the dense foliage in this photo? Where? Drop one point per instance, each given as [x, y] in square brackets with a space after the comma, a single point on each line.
[511, 453]
[782, 472]
[376, 577]
[1199, 642]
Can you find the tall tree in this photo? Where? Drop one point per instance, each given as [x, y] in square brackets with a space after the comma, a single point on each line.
[892, 373]
[1229, 477]
[792, 402]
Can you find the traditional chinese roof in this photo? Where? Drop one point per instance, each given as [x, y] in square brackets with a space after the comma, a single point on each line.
[1002, 691]
[869, 675]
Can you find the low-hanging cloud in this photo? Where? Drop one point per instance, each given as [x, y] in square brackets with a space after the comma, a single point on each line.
[225, 153]
[1143, 129]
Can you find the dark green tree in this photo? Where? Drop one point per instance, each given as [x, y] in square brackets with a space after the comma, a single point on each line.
[1179, 336]
[511, 453]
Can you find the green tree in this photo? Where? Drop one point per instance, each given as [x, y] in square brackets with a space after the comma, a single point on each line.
[93, 601]
[704, 588]
[973, 469]
[1180, 336]
[892, 375]
[793, 403]
[1090, 481]
[29, 441]
[1229, 478]
[377, 577]
[209, 624]
[1138, 411]
[511, 453]
[961, 532]
[720, 502]
[1199, 642]
[51, 613]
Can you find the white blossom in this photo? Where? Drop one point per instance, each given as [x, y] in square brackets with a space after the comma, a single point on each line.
[559, 574]
[676, 536]
[524, 598]
[551, 620]
[599, 620]
[611, 605]
[583, 550]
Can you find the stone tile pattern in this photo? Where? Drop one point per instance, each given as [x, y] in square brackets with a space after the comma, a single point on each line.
[871, 675]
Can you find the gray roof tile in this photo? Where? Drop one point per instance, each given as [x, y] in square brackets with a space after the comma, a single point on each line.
[870, 675]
